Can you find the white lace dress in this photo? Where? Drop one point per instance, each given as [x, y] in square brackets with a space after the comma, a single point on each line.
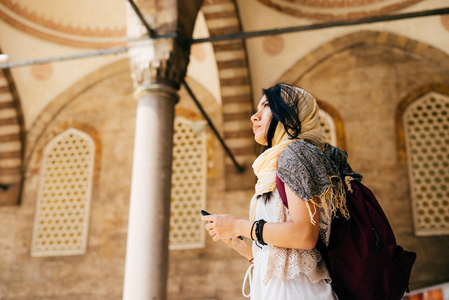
[297, 288]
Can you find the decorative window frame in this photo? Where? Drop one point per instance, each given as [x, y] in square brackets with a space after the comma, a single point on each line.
[43, 200]
[198, 127]
[434, 206]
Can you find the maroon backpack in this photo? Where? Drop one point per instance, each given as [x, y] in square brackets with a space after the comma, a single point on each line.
[363, 258]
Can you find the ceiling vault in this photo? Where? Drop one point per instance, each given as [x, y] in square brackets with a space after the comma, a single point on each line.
[233, 36]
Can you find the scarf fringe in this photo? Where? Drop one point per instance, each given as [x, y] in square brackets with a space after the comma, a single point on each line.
[348, 180]
[332, 200]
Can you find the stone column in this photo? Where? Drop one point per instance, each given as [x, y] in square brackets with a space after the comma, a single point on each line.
[156, 80]
[158, 66]
[148, 228]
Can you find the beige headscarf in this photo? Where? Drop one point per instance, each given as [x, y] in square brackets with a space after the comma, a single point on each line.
[265, 165]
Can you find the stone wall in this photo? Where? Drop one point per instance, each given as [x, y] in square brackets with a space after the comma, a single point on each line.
[102, 106]
[365, 81]
[106, 111]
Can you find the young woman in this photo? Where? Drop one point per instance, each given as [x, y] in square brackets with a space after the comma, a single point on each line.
[286, 263]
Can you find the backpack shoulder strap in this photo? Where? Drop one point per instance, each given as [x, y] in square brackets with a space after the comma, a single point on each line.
[281, 189]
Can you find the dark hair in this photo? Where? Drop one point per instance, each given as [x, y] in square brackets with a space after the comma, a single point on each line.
[283, 101]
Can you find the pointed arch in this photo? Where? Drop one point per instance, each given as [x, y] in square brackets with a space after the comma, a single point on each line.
[48, 114]
[222, 17]
[431, 54]
[12, 141]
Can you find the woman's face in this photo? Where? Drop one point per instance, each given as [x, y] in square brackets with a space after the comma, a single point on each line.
[261, 121]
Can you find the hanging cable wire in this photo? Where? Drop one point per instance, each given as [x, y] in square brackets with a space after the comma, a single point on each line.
[29, 62]
[368, 20]
[211, 125]
[150, 31]
[234, 36]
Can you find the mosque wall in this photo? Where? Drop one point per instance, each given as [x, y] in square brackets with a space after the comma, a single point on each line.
[364, 77]
[105, 111]
[366, 82]
[102, 106]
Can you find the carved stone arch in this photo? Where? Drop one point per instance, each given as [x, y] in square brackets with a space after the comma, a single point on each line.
[206, 99]
[43, 128]
[75, 107]
[187, 108]
[430, 53]
[24, 17]
[328, 10]
[101, 105]
[37, 130]
[235, 85]
[400, 47]
[12, 141]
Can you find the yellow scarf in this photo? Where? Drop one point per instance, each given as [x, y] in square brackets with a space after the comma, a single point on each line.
[265, 165]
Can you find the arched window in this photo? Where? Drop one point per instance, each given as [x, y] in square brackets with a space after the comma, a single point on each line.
[426, 130]
[188, 184]
[328, 126]
[63, 201]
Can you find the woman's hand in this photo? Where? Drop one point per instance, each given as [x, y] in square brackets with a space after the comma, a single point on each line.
[221, 226]
[225, 228]
[302, 232]
[240, 246]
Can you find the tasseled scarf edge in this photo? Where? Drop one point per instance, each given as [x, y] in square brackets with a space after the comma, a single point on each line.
[331, 200]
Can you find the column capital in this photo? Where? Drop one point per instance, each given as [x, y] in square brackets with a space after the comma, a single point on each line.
[159, 61]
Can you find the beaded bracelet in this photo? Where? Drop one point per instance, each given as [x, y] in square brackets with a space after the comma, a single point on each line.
[251, 260]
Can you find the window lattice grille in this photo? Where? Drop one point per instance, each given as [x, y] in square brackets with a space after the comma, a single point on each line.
[62, 210]
[188, 186]
[328, 128]
[426, 127]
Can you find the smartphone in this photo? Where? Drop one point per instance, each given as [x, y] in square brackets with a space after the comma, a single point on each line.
[205, 213]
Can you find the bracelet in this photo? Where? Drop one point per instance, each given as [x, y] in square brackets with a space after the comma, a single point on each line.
[261, 232]
[251, 232]
[259, 228]
[251, 260]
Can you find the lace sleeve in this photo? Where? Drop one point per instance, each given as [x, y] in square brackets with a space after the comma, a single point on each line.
[285, 263]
